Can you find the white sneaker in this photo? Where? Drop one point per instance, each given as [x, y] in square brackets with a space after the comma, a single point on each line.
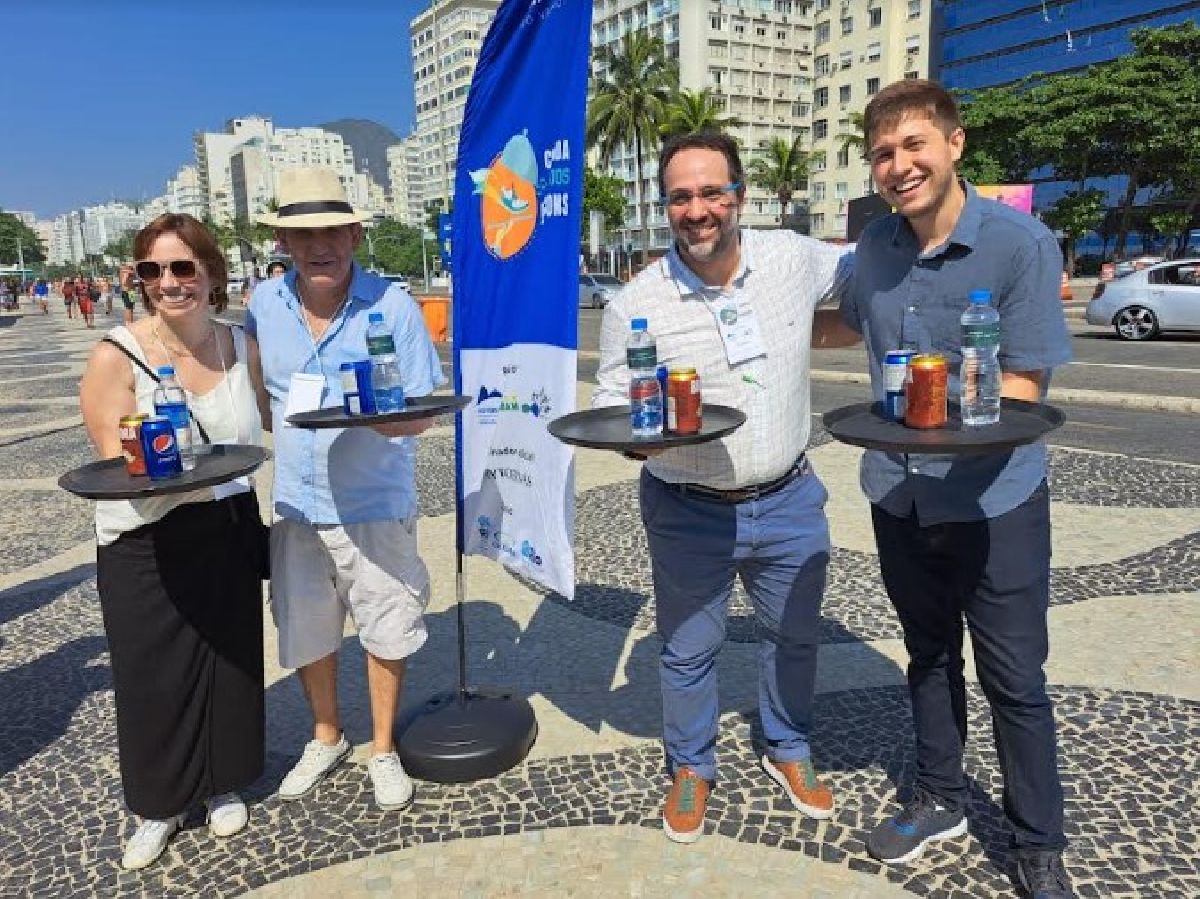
[148, 842]
[318, 760]
[227, 814]
[393, 786]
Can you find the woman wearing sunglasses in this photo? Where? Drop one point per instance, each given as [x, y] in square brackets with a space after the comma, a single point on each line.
[179, 575]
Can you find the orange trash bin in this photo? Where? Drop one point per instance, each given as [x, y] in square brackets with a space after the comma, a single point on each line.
[436, 312]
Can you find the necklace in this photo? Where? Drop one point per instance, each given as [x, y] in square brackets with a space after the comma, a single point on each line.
[309, 317]
[233, 406]
[212, 332]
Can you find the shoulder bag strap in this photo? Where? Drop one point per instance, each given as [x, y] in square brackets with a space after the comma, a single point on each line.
[153, 377]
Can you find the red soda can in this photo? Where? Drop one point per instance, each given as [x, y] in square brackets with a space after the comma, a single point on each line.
[130, 429]
[925, 392]
[684, 408]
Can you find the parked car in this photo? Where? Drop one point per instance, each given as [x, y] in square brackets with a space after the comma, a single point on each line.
[1140, 305]
[595, 290]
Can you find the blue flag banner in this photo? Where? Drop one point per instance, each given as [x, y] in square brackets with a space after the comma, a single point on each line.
[516, 224]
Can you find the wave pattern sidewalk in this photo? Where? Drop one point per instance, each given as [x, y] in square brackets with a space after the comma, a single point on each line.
[581, 817]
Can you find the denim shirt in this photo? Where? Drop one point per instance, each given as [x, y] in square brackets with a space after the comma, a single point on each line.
[903, 298]
[351, 475]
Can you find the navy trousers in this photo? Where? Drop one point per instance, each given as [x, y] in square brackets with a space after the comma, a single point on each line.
[995, 575]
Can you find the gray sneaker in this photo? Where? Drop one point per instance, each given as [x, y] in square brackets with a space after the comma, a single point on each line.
[393, 786]
[902, 839]
[315, 764]
[148, 842]
[1043, 876]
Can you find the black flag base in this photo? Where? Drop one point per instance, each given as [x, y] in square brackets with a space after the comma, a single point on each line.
[467, 735]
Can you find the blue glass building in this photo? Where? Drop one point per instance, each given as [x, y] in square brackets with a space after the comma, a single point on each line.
[984, 43]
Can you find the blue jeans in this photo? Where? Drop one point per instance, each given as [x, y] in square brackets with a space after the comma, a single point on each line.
[995, 574]
[779, 546]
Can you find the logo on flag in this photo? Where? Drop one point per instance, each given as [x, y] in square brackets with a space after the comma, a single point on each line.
[508, 208]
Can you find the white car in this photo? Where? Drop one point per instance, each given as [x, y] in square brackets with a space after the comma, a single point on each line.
[1142, 304]
[400, 281]
[595, 290]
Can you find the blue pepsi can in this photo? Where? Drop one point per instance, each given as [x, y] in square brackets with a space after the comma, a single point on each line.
[160, 448]
[358, 397]
[661, 373]
[895, 373]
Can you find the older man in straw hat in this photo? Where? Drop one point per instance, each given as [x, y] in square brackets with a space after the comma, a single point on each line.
[345, 501]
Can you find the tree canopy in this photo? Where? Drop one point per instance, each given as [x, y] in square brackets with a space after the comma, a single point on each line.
[18, 240]
[690, 111]
[606, 195]
[781, 168]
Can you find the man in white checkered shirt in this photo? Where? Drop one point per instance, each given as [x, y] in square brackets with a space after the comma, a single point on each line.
[737, 305]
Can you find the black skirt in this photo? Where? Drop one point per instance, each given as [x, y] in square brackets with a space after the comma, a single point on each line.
[182, 605]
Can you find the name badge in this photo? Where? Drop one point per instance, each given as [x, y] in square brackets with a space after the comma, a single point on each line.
[739, 330]
[304, 395]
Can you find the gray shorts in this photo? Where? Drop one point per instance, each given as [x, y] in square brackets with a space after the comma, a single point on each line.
[371, 570]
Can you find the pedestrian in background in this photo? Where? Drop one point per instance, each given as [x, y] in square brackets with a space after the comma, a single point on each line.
[68, 294]
[746, 506]
[86, 294]
[963, 538]
[180, 576]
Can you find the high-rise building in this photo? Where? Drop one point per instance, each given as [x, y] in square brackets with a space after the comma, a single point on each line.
[404, 203]
[105, 224]
[859, 46]
[755, 56]
[446, 39]
[1001, 41]
[184, 193]
[213, 152]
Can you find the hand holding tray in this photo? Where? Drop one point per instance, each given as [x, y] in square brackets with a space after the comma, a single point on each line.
[415, 408]
[1020, 423]
[610, 429]
[215, 464]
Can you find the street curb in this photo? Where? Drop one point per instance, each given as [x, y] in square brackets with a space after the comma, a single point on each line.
[1180, 404]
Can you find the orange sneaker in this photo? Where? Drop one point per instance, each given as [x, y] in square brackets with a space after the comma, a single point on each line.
[799, 781]
[683, 814]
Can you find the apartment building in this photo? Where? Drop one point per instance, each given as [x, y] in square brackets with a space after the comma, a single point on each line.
[445, 39]
[404, 162]
[184, 193]
[756, 58]
[859, 46]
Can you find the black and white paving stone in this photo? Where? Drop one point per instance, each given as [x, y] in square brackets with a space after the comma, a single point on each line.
[1127, 761]
[24, 415]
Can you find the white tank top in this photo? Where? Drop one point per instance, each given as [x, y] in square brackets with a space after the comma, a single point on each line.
[229, 415]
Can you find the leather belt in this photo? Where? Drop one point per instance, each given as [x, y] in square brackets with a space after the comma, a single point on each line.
[742, 494]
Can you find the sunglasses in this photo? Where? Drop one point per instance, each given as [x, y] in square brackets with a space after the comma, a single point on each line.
[181, 269]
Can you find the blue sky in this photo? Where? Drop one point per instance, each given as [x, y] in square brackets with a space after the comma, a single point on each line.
[100, 98]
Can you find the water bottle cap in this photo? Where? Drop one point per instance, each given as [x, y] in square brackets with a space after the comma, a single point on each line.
[166, 371]
[375, 317]
[638, 324]
[980, 296]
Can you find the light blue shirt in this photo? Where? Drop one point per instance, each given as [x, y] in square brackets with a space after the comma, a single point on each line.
[903, 298]
[351, 475]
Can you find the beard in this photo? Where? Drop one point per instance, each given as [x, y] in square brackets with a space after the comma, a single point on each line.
[707, 250]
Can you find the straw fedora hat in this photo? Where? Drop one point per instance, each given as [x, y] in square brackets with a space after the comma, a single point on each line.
[312, 198]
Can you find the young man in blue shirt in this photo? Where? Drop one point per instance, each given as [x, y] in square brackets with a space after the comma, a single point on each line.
[345, 501]
[968, 537]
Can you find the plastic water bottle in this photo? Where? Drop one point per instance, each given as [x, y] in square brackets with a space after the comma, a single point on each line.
[385, 373]
[979, 377]
[171, 402]
[645, 394]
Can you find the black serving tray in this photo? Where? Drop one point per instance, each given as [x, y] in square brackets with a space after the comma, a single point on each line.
[1020, 423]
[609, 429]
[215, 464]
[415, 408]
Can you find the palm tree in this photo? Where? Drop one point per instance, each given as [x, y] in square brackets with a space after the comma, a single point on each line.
[856, 138]
[630, 104]
[782, 169]
[691, 111]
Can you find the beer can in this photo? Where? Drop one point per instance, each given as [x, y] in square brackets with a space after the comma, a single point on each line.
[130, 429]
[160, 449]
[684, 408]
[358, 396]
[925, 392]
[895, 373]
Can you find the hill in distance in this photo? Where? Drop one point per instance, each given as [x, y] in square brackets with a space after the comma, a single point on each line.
[370, 141]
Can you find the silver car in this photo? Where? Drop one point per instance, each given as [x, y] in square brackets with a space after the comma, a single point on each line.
[1140, 305]
[596, 290]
